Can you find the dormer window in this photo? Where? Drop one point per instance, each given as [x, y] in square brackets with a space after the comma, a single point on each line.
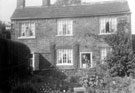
[108, 25]
[64, 27]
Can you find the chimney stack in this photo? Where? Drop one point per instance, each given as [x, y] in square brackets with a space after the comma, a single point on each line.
[20, 3]
[46, 2]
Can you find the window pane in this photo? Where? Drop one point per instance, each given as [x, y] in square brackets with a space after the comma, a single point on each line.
[65, 56]
[32, 30]
[86, 60]
[108, 25]
[104, 53]
[22, 30]
[64, 27]
[27, 29]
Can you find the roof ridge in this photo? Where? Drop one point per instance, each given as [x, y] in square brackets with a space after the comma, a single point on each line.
[70, 11]
[74, 5]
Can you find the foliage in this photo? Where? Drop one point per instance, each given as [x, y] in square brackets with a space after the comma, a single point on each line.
[3, 32]
[24, 88]
[2, 26]
[112, 76]
[14, 60]
[51, 80]
[119, 84]
[96, 78]
[67, 2]
[98, 81]
[121, 62]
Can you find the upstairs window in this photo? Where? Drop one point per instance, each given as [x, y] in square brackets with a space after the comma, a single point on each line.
[65, 27]
[27, 30]
[64, 57]
[108, 25]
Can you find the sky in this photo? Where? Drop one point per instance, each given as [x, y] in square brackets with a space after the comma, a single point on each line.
[7, 8]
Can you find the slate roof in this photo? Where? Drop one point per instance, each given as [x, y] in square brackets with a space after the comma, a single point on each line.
[96, 9]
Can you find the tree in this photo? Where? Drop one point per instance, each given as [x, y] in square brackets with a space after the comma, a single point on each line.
[3, 32]
[121, 62]
[14, 63]
[67, 2]
[2, 27]
[96, 78]
[118, 64]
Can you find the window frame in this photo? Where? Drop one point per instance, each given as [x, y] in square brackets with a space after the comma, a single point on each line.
[32, 64]
[107, 50]
[21, 30]
[59, 26]
[64, 64]
[101, 28]
[90, 59]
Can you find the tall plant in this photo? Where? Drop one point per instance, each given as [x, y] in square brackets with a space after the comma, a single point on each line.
[121, 62]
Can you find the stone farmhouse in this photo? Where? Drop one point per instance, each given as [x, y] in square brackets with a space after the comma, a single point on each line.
[65, 36]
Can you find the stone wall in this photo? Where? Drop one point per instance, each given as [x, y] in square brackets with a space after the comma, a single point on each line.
[85, 38]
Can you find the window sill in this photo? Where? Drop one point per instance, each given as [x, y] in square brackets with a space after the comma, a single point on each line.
[85, 68]
[31, 37]
[105, 33]
[64, 64]
[64, 35]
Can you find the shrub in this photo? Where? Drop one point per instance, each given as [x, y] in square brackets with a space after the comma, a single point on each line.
[24, 88]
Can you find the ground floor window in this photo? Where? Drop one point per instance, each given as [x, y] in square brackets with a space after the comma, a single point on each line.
[86, 59]
[64, 57]
[34, 61]
[104, 53]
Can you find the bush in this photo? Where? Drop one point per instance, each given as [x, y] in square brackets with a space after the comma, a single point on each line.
[97, 80]
[24, 88]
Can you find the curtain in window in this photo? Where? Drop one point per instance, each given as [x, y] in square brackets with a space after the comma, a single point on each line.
[64, 56]
[27, 29]
[108, 25]
[64, 27]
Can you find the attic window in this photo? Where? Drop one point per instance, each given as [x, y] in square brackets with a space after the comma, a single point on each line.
[65, 27]
[108, 25]
[27, 30]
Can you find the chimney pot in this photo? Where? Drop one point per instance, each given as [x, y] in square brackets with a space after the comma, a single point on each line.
[46, 2]
[20, 3]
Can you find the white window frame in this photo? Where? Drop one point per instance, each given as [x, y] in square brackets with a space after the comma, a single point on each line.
[23, 30]
[113, 24]
[33, 60]
[59, 56]
[69, 25]
[104, 53]
[90, 59]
